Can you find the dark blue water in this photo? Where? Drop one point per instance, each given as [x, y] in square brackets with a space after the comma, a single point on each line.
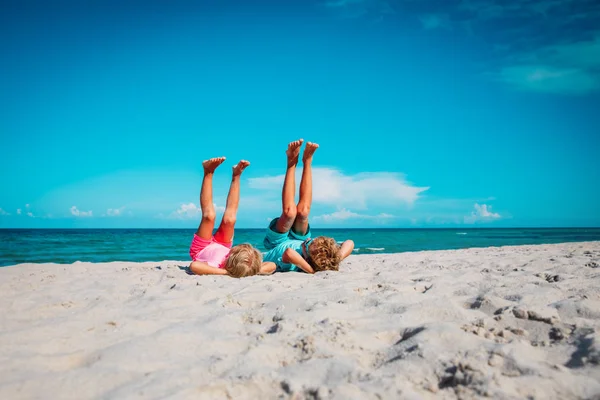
[100, 245]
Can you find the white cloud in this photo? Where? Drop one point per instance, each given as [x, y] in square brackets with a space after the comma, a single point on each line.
[78, 213]
[345, 215]
[482, 213]
[115, 212]
[340, 215]
[571, 67]
[191, 211]
[187, 211]
[331, 186]
[548, 46]
[24, 212]
[2, 212]
[550, 79]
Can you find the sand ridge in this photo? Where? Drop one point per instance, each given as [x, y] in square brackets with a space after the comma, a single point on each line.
[504, 322]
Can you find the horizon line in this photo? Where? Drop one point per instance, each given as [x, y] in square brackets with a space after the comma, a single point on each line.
[335, 228]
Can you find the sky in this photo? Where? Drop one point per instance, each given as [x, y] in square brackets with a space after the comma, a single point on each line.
[428, 113]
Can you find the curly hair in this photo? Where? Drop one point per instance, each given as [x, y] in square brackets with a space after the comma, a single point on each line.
[244, 260]
[324, 254]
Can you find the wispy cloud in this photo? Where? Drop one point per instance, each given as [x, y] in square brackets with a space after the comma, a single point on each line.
[550, 46]
[77, 213]
[191, 211]
[568, 68]
[2, 212]
[27, 211]
[482, 213]
[186, 211]
[343, 215]
[332, 187]
[115, 212]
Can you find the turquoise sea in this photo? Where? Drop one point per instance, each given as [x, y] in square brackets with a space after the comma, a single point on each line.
[101, 245]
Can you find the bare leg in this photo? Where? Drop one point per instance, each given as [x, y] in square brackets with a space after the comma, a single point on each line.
[305, 201]
[288, 204]
[207, 223]
[225, 232]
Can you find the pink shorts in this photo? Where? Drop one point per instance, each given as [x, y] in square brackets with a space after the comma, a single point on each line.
[213, 252]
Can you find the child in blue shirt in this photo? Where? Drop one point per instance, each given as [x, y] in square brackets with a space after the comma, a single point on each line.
[288, 239]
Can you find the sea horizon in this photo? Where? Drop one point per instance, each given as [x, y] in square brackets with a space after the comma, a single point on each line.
[68, 245]
[320, 228]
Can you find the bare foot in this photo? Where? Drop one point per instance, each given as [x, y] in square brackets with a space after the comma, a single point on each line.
[240, 167]
[211, 164]
[309, 150]
[293, 151]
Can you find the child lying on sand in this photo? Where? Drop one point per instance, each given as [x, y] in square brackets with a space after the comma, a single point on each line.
[288, 239]
[213, 255]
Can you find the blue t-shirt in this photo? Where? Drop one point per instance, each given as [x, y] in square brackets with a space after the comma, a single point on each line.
[275, 255]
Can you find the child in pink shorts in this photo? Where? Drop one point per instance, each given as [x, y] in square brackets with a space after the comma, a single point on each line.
[214, 255]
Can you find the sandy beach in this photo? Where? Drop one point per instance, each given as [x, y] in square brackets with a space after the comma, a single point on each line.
[505, 322]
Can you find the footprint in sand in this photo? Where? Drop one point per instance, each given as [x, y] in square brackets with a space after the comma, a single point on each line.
[306, 345]
[592, 264]
[488, 305]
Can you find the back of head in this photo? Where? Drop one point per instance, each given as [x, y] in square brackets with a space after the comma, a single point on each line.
[324, 254]
[244, 260]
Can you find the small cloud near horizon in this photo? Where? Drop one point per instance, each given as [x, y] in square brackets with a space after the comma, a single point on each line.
[482, 213]
[115, 212]
[345, 215]
[190, 211]
[77, 213]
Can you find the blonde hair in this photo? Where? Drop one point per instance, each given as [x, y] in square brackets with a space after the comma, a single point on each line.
[244, 260]
[324, 254]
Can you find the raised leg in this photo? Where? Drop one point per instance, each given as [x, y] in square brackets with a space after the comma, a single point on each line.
[207, 223]
[288, 204]
[304, 202]
[225, 232]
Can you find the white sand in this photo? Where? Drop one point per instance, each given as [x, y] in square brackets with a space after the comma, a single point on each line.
[506, 322]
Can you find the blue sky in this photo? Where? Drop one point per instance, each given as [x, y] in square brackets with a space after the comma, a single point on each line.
[428, 113]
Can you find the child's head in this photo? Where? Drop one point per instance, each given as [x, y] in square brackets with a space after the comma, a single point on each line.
[324, 254]
[244, 260]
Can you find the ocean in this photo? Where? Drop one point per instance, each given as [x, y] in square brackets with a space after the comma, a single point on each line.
[102, 245]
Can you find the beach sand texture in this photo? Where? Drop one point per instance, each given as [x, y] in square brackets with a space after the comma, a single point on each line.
[505, 322]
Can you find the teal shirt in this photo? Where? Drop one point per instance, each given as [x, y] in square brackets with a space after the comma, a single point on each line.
[275, 255]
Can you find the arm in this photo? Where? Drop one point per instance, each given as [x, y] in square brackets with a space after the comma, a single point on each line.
[201, 268]
[292, 257]
[267, 268]
[346, 249]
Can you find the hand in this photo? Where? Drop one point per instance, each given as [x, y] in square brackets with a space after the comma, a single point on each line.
[291, 256]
